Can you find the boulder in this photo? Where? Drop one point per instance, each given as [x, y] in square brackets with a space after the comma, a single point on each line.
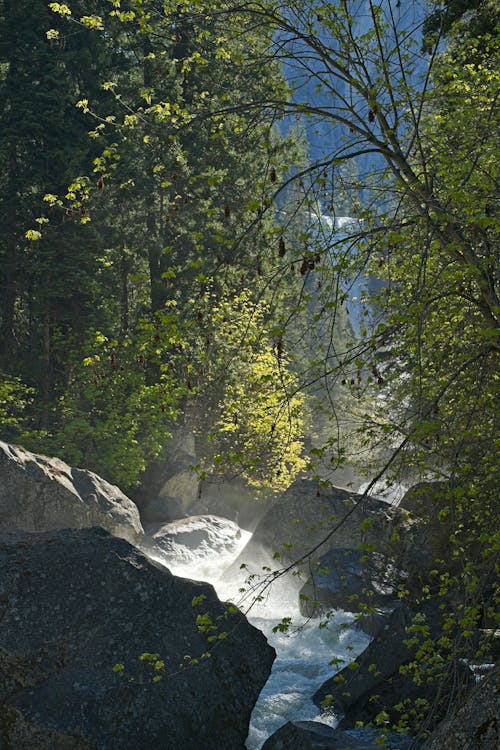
[38, 493]
[309, 517]
[376, 682]
[312, 735]
[425, 499]
[195, 536]
[347, 579]
[79, 610]
[475, 725]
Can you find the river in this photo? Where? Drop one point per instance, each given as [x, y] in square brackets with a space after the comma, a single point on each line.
[303, 652]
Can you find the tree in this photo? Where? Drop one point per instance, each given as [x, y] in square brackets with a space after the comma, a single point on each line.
[422, 375]
[157, 193]
[255, 416]
[401, 110]
[49, 274]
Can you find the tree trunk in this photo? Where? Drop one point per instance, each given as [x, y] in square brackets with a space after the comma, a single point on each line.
[124, 270]
[8, 276]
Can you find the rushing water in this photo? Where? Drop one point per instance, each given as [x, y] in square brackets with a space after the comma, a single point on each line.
[303, 652]
[301, 666]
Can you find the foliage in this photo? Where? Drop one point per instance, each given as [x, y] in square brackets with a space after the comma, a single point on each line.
[476, 17]
[142, 215]
[153, 669]
[256, 410]
[112, 416]
[50, 270]
[15, 398]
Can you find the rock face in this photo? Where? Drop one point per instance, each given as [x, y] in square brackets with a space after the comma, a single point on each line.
[171, 488]
[182, 494]
[378, 684]
[170, 485]
[234, 499]
[307, 512]
[312, 735]
[39, 493]
[476, 724]
[76, 603]
[178, 492]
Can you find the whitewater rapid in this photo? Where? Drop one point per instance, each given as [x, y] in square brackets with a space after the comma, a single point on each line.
[303, 654]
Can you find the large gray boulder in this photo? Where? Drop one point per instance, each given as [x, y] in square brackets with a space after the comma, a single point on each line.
[76, 603]
[356, 550]
[312, 735]
[309, 518]
[38, 493]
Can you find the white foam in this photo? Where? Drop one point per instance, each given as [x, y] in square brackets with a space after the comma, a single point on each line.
[203, 563]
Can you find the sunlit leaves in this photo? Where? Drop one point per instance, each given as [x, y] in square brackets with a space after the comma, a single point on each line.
[61, 8]
[33, 235]
[92, 22]
[258, 420]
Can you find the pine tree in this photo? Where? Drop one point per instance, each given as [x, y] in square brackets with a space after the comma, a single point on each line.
[49, 268]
